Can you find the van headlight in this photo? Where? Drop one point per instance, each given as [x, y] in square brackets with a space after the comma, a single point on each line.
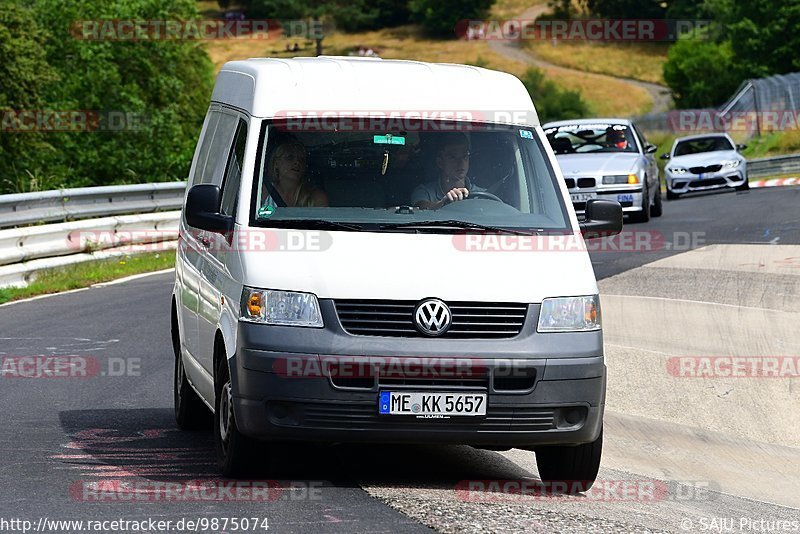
[570, 314]
[288, 308]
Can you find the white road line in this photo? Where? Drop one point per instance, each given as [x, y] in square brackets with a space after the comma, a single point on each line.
[131, 277]
[101, 284]
[695, 302]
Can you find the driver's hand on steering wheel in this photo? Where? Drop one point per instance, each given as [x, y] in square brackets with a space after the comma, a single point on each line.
[457, 193]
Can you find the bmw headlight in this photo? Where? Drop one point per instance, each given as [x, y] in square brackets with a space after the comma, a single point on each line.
[677, 170]
[732, 164]
[288, 308]
[570, 314]
[621, 179]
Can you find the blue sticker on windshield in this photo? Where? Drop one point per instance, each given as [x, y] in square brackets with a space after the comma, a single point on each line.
[526, 134]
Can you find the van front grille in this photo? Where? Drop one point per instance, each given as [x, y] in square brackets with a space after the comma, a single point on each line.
[395, 318]
[358, 416]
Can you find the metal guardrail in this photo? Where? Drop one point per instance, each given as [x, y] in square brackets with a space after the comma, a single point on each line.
[98, 222]
[24, 209]
[774, 166]
[50, 240]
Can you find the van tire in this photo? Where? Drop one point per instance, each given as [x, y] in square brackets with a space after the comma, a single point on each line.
[575, 466]
[236, 453]
[190, 412]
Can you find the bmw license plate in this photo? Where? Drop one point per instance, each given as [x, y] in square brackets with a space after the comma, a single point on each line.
[432, 404]
[582, 197]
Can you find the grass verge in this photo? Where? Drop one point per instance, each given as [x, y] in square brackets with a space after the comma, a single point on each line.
[773, 144]
[88, 273]
[638, 61]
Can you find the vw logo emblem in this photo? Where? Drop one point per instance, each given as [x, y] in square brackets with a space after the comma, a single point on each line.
[432, 317]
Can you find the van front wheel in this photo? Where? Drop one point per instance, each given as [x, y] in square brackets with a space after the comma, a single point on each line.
[570, 469]
[235, 451]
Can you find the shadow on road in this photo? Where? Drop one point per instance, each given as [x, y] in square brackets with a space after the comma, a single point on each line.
[146, 443]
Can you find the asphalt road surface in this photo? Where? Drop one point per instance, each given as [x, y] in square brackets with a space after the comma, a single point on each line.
[105, 447]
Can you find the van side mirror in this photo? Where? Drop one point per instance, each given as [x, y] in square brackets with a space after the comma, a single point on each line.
[202, 209]
[741, 147]
[649, 149]
[665, 155]
[603, 218]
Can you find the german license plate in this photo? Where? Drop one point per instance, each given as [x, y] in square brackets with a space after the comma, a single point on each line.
[582, 197]
[419, 403]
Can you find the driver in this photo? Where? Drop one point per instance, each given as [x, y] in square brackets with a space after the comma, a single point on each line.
[452, 162]
[616, 139]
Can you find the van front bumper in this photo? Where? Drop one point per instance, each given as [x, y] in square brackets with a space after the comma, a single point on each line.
[284, 389]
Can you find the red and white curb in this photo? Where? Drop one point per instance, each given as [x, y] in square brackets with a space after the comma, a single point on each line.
[775, 182]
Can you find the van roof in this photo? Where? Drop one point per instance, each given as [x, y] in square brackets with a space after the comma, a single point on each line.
[271, 87]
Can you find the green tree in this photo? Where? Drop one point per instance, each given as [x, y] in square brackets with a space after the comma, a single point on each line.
[701, 73]
[763, 35]
[553, 103]
[24, 76]
[160, 89]
[439, 17]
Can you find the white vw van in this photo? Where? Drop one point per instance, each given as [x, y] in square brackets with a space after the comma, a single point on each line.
[384, 251]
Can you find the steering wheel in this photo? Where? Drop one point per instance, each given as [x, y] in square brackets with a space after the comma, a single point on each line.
[483, 194]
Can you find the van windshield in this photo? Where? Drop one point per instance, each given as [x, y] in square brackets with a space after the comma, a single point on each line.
[437, 177]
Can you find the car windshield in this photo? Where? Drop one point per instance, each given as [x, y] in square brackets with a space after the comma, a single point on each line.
[583, 138]
[393, 179]
[703, 144]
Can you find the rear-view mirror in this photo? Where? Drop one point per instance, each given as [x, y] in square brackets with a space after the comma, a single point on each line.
[603, 218]
[202, 209]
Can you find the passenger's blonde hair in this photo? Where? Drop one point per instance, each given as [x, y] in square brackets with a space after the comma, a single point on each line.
[283, 148]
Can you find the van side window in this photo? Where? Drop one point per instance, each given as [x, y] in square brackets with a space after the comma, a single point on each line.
[233, 174]
[214, 167]
[212, 119]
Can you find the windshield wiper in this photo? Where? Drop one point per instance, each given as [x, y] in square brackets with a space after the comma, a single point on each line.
[455, 224]
[313, 224]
